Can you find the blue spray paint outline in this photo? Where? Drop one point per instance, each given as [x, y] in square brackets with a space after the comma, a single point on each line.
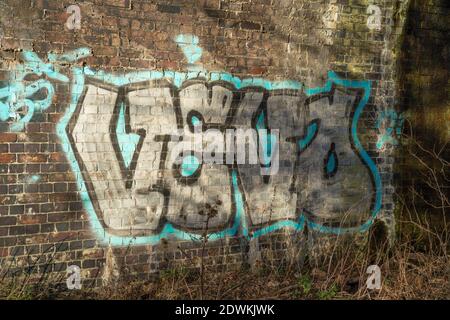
[17, 95]
[392, 131]
[366, 86]
[240, 224]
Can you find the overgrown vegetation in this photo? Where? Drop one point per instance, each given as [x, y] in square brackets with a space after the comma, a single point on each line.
[405, 275]
[415, 266]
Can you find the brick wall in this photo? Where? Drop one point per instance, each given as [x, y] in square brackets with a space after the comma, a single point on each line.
[94, 93]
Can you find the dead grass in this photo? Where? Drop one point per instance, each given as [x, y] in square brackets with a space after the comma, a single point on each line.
[405, 275]
[415, 266]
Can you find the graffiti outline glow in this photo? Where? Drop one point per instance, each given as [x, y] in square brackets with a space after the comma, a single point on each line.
[128, 142]
[16, 95]
[393, 127]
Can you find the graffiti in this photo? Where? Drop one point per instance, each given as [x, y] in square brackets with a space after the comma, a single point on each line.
[189, 45]
[121, 134]
[226, 146]
[374, 20]
[74, 20]
[21, 98]
[391, 124]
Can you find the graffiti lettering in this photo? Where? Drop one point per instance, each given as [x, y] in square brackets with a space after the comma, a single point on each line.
[122, 136]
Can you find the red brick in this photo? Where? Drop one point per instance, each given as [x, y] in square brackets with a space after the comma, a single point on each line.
[62, 236]
[57, 157]
[8, 137]
[7, 158]
[32, 218]
[33, 158]
[93, 253]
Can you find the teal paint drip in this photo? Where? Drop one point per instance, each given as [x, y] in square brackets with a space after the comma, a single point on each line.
[311, 132]
[331, 163]
[189, 166]
[195, 121]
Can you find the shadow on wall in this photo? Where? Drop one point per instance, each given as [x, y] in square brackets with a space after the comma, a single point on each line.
[424, 82]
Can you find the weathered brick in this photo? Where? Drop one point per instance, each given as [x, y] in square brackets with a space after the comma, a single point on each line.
[7, 158]
[36, 157]
[93, 253]
[8, 221]
[32, 219]
[275, 41]
[169, 8]
[8, 137]
[62, 236]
